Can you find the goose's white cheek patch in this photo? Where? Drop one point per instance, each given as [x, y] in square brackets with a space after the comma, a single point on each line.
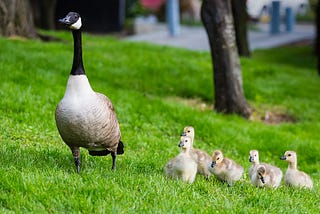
[77, 25]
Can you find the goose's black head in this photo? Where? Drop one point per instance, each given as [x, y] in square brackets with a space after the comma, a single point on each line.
[72, 21]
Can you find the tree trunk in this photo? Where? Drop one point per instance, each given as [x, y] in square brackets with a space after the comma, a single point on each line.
[217, 18]
[239, 11]
[16, 19]
[317, 48]
[44, 13]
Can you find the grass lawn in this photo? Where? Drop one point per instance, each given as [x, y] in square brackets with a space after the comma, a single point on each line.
[156, 92]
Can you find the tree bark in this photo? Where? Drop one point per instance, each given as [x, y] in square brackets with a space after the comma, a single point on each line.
[16, 19]
[44, 13]
[239, 11]
[217, 18]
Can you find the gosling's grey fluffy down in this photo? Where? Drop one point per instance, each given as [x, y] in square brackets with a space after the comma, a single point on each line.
[202, 158]
[183, 165]
[85, 118]
[225, 169]
[266, 176]
[293, 176]
[262, 174]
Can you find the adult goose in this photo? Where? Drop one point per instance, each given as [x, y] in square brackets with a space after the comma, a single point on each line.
[85, 118]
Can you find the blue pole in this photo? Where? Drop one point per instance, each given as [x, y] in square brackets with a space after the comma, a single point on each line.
[275, 17]
[289, 19]
[173, 18]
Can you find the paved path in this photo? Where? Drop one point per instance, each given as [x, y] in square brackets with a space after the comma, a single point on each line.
[195, 38]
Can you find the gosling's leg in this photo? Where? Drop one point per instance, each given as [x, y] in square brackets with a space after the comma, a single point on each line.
[76, 156]
[114, 157]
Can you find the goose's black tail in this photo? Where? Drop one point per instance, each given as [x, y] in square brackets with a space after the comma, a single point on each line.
[120, 149]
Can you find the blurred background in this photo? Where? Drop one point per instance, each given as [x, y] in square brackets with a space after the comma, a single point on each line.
[126, 15]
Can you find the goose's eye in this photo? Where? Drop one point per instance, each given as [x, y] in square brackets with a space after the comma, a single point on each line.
[188, 131]
[218, 158]
[186, 141]
[289, 155]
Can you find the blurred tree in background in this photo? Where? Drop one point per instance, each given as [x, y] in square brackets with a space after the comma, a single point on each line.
[241, 18]
[44, 13]
[16, 19]
[217, 18]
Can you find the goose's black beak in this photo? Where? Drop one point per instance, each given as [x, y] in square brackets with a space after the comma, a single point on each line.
[183, 134]
[250, 159]
[65, 20]
[213, 164]
[181, 144]
[283, 158]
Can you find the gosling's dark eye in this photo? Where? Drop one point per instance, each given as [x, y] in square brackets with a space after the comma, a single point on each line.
[188, 131]
[289, 155]
[186, 141]
[218, 158]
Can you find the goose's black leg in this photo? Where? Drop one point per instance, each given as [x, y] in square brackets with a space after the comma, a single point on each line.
[114, 157]
[76, 156]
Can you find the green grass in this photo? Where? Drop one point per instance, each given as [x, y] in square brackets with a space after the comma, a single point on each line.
[152, 89]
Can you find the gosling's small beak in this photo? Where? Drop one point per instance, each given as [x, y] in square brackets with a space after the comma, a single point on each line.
[213, 164]
[250, 159]
[283, 158]
[183, 134]
[181, 144]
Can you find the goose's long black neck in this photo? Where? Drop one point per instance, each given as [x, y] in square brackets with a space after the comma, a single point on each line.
[77, 66]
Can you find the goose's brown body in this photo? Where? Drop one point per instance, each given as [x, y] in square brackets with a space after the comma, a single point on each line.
[87, 119]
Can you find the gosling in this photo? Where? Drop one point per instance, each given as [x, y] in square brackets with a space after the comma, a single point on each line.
[293, 176]
[183, 165]
[225, 169]
[266, 176]
[202, 158]
[263, 174]
[189, 131]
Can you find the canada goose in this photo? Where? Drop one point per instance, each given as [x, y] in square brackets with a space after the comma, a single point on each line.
[263, 174]
[225, 169]
[293, 176]
[182, 166]
[202, 158]
[85, 118]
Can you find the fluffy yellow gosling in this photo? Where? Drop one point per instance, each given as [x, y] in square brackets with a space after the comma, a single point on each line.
[202, 158]
[293, 176]
[189, 131]
[225, 169]
[267, 176]
[263, 174]
[183, 165]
